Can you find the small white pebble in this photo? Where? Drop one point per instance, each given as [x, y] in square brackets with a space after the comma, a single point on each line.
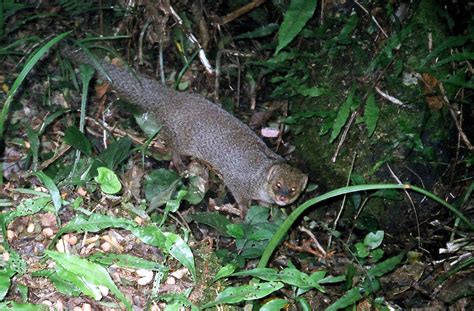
[59, 305]
[30, 228]
[47, 232]
[6, 256]
[72, 240]
[179, 273]
[146, 276]
[81, 191]
[47, 303]
[77, 309]
[138, 220]
[105, 246]
[91, 239]
[104, 290]
[170, 281]
[86, 307]
[10, 235]
[48, 220]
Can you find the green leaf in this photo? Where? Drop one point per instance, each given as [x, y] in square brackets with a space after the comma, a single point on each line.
[246, 292]
[361, 250]
[14, 306]
[176, 246]
[275, 304]
[160, 186]
[262, 31]
[342, 116]
[373, 240]
[171, 242]
[52, 188]
[5, 276]
[296, 17]
[108, 181]
[86, 274]
[349, 298]
[385, 266]
[126, 261]
[371, 114]
[116, 153]
[313, 91]
[216, 221]
[225, 271]
[73, 137]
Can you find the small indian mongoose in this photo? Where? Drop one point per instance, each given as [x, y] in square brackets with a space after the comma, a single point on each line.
[194, 126]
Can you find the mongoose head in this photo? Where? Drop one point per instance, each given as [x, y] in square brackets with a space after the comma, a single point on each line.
[285, 183]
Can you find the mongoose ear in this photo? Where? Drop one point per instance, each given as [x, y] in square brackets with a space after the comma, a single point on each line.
[271, 172]
[305, 182]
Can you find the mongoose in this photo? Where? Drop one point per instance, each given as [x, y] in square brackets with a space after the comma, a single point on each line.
[194, 126]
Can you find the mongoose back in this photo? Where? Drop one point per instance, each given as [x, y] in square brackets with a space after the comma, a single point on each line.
[194, 126]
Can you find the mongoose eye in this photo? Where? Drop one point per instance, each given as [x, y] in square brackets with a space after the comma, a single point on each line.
[293, 189]
[278, 184]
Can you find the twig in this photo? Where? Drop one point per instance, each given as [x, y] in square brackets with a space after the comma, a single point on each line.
[454, 114]
[313, 237]
[334, 226]
[344, 135]
[239, 12]
[372, 17]
[413, 207]
[202, 55]
[391, 99]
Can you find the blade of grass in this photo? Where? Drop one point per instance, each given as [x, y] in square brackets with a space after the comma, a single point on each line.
[285, 226]
[21, 77]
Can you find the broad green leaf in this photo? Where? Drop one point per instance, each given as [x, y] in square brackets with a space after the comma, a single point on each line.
[28, 207]
[267, 274]
[126, 261]
[5, 276]
[236, 231]
[246, 292]
[52, 188]
[447, 44]
[342, 116]
[172, 205]
[371, 114]
[160, 186]
[116, 153]
[385, 266]
[294, 277]
[216, 221]
[95, 223]
[177, 248]
[77, 283]
[262, 31]
[108, 181]
[63, 286]
[296, 17]
[225, 271]
[350, 297]
[14, 306]
[275, 304]
[168, 241]
[73, 137]
[361, 250]
[87, 272]
[313, 91]
[373, 240]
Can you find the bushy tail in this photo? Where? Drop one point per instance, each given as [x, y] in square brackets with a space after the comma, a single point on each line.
[133, 87]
